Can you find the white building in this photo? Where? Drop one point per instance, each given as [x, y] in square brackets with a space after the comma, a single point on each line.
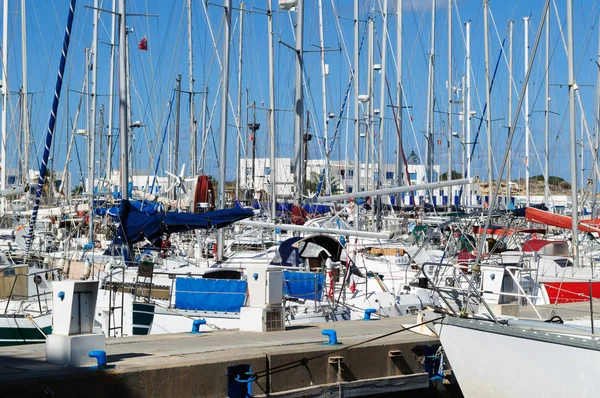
[342, 178]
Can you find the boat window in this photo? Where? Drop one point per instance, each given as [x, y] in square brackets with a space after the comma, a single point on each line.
[563, 262]
[560, 249]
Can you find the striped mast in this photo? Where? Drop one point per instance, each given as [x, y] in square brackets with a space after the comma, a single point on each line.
[51, 125]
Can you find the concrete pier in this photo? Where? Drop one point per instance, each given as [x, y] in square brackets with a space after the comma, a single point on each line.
[291, 363]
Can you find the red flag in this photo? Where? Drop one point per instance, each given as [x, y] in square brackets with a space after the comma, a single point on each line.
[143, 44]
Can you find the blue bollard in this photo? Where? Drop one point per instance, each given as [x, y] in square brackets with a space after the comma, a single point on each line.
[100, 357]
[368, 313]
[196, 325]
[332, 334]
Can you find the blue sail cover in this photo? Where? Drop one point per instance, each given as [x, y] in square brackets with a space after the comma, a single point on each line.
[303, 285]
[221, 295]
[135, 225]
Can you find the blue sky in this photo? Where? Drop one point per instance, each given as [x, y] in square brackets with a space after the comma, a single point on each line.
[153, 74]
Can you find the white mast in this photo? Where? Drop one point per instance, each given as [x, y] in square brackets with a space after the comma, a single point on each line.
[468, 115]
[356, 113]
[239, 105]
[111, 90]
[193, 131]
[223, 121]
[430, 100]
[488, 97]
[25, 106]
[510, 92]
[449, 129]
[370, 125]
[573, 135]
[547, 116]
[123, 116]
[273, 173]
[597, 144]
[527, 111]
[4, 99]
[299, 105]
[324, 73]
[92, 131]
[381, 172]
[399, 158]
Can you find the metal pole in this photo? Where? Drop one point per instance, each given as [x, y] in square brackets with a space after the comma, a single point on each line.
[4, 101]
[301, 228]
[239, 107]
[381, 172]
[193, 131]
[463, 131]
[177, 123]
[324, 73]
[488, 96]
[123, 115]
[393, 190]
[449, 130]
[272, 167]
[511, 25]
[299, 104]
[356, 112]
[111, 83]
[399, 159]
[573, 135]
[597, 143]
[223, 122]
[527, 112]
[547, 116]
[468, 115]
[24, 104]
[92, 131]
[430, 148]
[370, 125]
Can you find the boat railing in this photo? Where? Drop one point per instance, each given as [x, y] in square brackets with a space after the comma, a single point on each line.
[38, 296]
[450, 282]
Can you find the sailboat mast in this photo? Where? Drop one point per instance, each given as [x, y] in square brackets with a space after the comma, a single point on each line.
[239, 107]
[111, 90]
[450, 89]
[573, 134]
[24, 102]
[272, 166]
[597, 144]
[324, 99]
[511, 25]
[299, 104]
[468, 115]
[430, 99]
[4, 100]
[382, 107]
[369, 130]
[527, 111]
[547, 116]
[177, 122]
[193, 131]
[123, 115]
[488, 96]
[223, 121]
[356, 113]
[399, 159]
[92, 130]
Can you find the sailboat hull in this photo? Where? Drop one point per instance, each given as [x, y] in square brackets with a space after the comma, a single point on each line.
[571, 291]
[492, 360]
